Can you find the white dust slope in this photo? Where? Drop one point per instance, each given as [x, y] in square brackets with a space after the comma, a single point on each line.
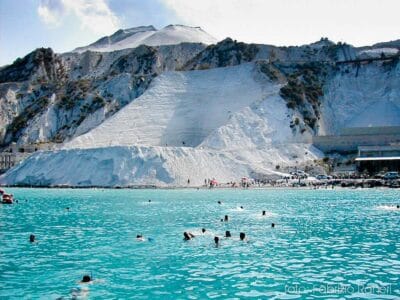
[180, 107]
[232, 121]
[363, 96]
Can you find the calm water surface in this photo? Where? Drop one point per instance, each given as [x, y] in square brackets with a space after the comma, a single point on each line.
[326, 244]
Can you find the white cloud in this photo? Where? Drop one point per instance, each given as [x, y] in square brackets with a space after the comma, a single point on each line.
[51, 11]
[292, 22]
[94, 15]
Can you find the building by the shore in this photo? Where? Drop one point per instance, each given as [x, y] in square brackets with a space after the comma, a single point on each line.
[13, 154]
[350, 139]
[376, 158]
[376, 148]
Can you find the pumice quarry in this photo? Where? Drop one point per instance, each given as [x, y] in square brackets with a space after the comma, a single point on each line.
[175, 107]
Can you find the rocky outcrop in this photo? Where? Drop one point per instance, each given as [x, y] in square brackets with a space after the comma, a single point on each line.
[42, 65]
[226, 53]
[47, 97]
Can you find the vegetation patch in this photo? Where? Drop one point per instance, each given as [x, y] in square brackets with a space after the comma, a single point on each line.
[226, 53]
[269, 69]
[304, 89]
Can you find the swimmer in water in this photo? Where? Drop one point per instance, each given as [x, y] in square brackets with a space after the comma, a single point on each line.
[32, 238]
[219, 202]
[242, 236]
[140, 237]
[228, 234]
[203, 230]
[187, 236]
[86, 279]
[82, 290]
[273, 225]
[263, 212]
[216, 240]
[149, 200]
[398, 206]
[226, 218]
[241, 207]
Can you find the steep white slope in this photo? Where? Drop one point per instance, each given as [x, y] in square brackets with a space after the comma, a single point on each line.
[232, 120]
[180, 109]
[126, 166]
[361, 96]
[148, 35]
[258, 125]
[378, 114]
[175, 34]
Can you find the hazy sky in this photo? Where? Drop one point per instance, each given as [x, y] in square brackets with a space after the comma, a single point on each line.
[67, 24]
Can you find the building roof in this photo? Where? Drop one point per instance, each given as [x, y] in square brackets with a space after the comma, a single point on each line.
[371, 130]
[378, 158]
[379, 148]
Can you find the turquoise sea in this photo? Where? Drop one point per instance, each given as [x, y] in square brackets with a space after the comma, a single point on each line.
[326, 244]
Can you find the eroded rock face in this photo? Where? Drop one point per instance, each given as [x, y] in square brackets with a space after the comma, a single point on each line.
[42, 64]
[46, 97]
[226, 110]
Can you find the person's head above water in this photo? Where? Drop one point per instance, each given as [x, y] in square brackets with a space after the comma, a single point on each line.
[203, 230]
[32, 238]
[149, 200]
[139, 236]
[216, 240]
[228, 233]
[219, 202]
[263, 212]
[273, 225]
[186, 236]
[86, 278]
[226, 218]
[241, 207]
[398, 206]
[242, 236]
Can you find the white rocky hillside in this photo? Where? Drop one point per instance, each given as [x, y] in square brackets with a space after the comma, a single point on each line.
[148, 35]
[361, 96]
[162, 115]
[221, 123]
[46, 97]
[184, 108]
